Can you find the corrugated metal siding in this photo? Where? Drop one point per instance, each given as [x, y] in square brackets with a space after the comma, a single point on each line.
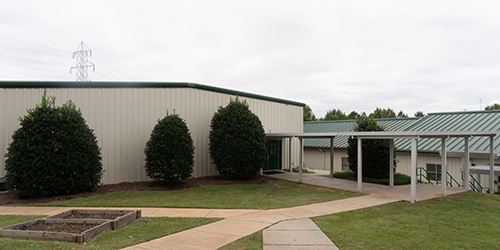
[313, 158]
[123, 118]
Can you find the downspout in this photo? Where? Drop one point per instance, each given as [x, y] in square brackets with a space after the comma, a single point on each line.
[323, 158]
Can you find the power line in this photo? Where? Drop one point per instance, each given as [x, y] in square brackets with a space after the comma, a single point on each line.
[32, 44]
[20, 73]
[114, 69]
[18, 58]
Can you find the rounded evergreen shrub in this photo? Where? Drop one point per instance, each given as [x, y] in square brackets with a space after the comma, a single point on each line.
[375, 152]
[237, 141]
[170, 151]
[54, 152]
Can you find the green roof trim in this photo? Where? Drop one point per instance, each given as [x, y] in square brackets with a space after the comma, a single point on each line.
[68, 84]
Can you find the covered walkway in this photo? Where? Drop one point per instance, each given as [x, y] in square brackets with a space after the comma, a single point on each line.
[410, 135]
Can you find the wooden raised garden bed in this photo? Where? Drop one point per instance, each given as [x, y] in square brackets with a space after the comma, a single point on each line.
[76, 225]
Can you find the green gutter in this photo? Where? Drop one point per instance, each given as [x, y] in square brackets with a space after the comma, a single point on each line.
[60, 84]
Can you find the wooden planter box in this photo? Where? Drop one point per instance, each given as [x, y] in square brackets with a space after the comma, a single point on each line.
[119, 219]
[15, 232]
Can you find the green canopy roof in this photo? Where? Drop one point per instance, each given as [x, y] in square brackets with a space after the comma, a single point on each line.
[447, 121]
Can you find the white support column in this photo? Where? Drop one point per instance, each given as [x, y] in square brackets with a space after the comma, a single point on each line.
[360, 166]
[492, 163]
[444, 175]
[331, 157]
[467, 163]
[290, 153]
[300, 159]
[391, 163]
[414, 156]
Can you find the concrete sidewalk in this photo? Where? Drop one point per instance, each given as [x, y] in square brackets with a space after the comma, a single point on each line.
[296, 234]
[239, 223]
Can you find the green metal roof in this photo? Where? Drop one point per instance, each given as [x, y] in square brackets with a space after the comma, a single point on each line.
[66, 84]
[457, 121]
[390, 124]
[445, 121]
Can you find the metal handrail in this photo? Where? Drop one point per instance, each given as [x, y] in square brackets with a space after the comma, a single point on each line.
[475, 185]
[426, 176]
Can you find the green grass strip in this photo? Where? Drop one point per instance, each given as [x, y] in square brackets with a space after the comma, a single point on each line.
[467, 221]
[139, 231]
[249, 196]
[253, 241]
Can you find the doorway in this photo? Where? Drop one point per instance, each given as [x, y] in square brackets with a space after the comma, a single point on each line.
[273, 160]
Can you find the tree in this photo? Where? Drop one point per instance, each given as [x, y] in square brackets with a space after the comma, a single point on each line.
[383, 113]
[353, 115]
[494, 106]
[375, 152]
[54, 152]
[170, 151]
[419, 114]
[402, 115]
[237, 141]
[308, 114]
[335, 114]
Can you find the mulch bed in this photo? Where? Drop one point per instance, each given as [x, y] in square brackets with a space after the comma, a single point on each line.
[8, 198]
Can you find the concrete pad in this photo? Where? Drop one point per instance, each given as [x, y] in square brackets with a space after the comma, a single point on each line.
[294, 213]
[296, 234]
[233, 226]
[298, 247]
[268, 216]
[28, 211]
[302, 224]
[228, 213]
[291, 237]
[181, 212]
[191, 239]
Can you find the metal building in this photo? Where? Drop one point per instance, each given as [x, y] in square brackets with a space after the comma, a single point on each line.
[123, 114]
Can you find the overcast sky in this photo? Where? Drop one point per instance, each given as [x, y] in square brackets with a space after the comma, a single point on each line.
[431, 56]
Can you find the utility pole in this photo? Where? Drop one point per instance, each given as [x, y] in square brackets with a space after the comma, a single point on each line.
[82, 63]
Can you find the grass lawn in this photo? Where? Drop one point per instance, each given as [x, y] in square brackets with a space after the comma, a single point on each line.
[253, 241]
[249, 196]
[467, 221]
[141, 230]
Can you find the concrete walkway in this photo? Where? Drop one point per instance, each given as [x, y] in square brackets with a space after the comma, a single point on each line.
[296, 234]
[238, 223]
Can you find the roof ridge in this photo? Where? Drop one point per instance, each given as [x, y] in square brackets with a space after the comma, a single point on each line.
[464, 112]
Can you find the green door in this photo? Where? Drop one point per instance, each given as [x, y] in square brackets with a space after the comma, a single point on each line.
[273, 161]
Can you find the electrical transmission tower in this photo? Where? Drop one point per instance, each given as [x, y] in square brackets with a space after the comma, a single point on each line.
[82, 63]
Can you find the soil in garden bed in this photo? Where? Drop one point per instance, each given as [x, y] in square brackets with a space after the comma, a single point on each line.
[8, 198]
[62, 227]
[107, 216]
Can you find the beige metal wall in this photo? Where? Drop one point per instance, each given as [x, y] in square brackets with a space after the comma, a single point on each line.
[123, 118]
[313, 158]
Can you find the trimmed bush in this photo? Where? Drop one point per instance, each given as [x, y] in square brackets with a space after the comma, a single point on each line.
[54, 152]
[375, 151]
[170, 151]
[237, 141]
